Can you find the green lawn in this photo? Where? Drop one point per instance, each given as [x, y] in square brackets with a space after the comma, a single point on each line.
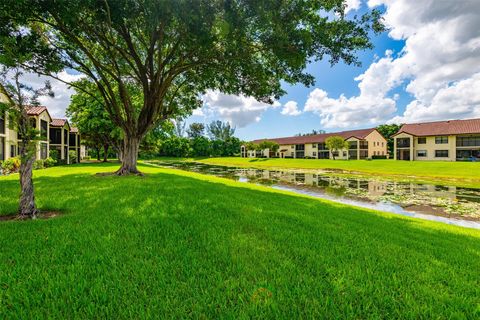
[456, 173]
[175, 244]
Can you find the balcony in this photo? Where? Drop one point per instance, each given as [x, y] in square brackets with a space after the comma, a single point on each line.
[403, 143]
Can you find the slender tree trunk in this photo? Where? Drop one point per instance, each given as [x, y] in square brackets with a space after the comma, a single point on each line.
[27, 207]
[105, 153]
[98, 153]
[129, 156]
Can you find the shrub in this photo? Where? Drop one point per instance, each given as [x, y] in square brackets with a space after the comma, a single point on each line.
[11, 165]
[49, 162]
[73, 156]
[38, 164]
[86, 158]
[54, 154]
[379, 157]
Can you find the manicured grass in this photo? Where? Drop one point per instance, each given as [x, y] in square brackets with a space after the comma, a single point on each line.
[457, 173]
[175, 244]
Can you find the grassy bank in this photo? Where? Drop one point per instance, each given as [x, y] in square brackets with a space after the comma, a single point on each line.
[456, 173]
[175, 244]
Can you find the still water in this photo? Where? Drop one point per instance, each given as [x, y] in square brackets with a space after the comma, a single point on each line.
[448, 204]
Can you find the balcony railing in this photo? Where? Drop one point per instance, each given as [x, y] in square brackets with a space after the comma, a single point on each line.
[403, 143]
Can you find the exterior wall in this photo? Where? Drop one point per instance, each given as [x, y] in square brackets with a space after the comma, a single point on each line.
[310, 151]
[377, 144]
[430, 147]
[63, 155]
[45, 117]
[9, 136]
[395, 148]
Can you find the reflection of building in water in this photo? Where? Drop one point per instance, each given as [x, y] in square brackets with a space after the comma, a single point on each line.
[401, 188]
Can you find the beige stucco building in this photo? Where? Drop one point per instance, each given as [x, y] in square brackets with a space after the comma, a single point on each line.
[53, 134]
[453, 140]
[364, 143]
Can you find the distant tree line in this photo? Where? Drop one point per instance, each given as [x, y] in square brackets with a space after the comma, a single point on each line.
[198, 140]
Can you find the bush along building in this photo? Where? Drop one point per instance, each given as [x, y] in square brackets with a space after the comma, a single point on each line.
[363, 144]
[453, 140]
[57, 139]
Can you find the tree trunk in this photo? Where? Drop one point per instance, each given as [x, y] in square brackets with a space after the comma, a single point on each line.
[98, 153]
[129, 156]
[27, 208]
[105, 153]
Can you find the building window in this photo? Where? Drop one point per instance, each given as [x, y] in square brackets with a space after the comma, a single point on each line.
[291, 153]
[421, 153]
[383, 143]
[314, 145]
[43, 151]
[2, 148]
[55, 135]
[13, 151]
[293, 147]
[403, 142]
[43, 129]
[441, 140]
[65, 136]
[344, 153]
[422, 140]
[2, 125]
[314, 153]
[468, 141]
[441, 153]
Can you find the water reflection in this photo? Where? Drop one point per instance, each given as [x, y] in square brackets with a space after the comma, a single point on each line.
[448, 204]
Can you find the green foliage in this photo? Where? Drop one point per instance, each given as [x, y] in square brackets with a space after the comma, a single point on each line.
[11, 165]
[196, 130]
[387, 131]
[218, 130]
[336, 143]
[179, 243]
[225, 148]
[38, 164]
[88, 113]
[54, 154]
[49, 162]
[72, 155]
[175, 147]
[270, 145]
[200, 147]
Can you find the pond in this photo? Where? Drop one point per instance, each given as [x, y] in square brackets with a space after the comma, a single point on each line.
[448, 204]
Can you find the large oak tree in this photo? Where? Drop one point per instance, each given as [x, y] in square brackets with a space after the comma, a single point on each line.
[175, 50]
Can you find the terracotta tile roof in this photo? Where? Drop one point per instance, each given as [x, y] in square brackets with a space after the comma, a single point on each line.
[58, 122]
[73, 130]
[320, 138]
[450, 127]
[35, 110]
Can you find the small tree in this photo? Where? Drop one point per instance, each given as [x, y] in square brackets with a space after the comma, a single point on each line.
[195, 130]
[270, 145]
[335, 144]
[387, 131]
[19, 98]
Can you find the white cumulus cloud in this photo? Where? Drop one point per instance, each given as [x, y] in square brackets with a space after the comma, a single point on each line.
[290, 109]
[438, 67]
[239, 110]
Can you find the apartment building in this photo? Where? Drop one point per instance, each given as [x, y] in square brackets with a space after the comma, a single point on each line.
[453, 140]
[53, 134]
[363, 144]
